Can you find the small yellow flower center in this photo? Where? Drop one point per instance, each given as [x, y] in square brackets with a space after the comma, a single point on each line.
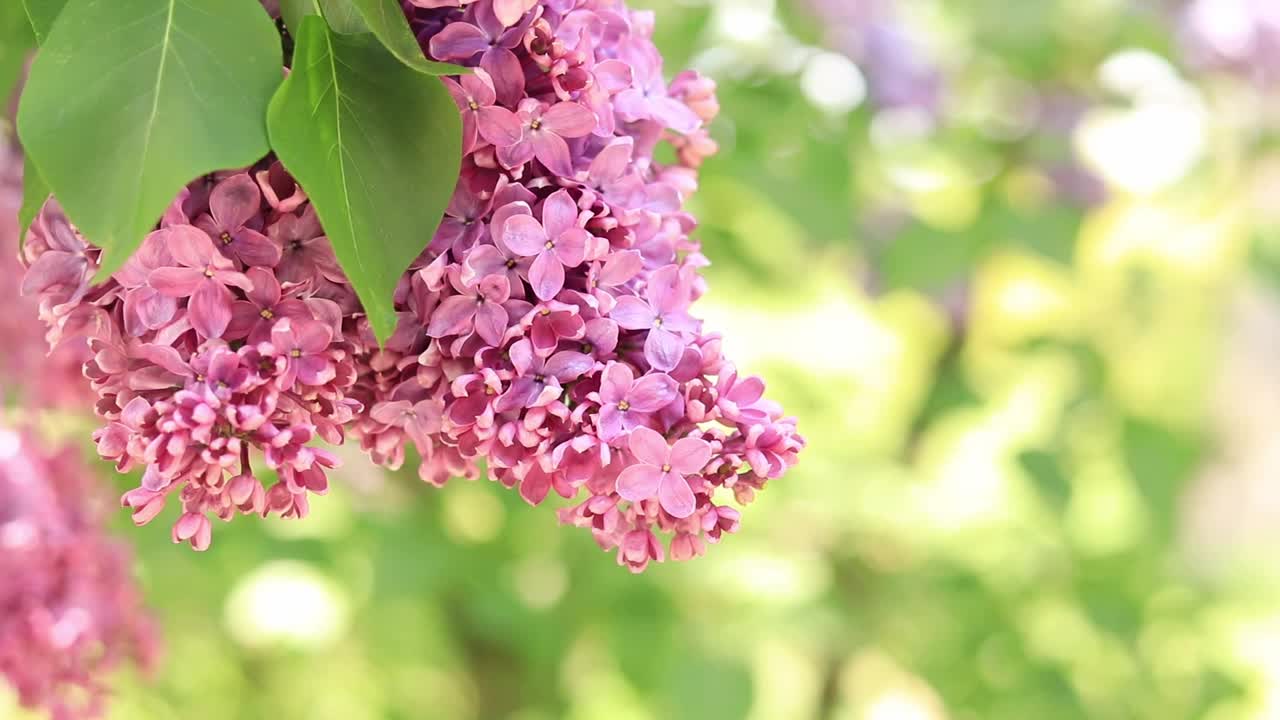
[225, 237]
[295, 353]
[267, 314]
[657, 322]
[587, 349]
[624, 406]
[666, 468]
[544, 312]
[511, 263]
[473, 105]
[535, 125]
[208, 272]
[550, 245]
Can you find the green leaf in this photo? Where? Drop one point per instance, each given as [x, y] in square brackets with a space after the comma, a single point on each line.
[343, 17]
[15, 42]
[35, 193]
[377, 147]
[292, 11]
[385, 19]
[129, 100]
[41, 14]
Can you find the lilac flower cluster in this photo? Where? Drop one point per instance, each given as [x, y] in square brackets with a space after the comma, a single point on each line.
[205, 354]
[71, 611]
[544, 331]
[28, 370]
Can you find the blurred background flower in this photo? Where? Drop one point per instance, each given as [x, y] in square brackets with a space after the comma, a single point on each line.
[1016, 268]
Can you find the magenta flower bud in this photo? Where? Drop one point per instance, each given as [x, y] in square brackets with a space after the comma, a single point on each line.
[246, 494]
[193, 528]
[686, 546]
[637, 548]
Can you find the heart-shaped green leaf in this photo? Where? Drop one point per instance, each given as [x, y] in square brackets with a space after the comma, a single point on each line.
[378, 149]
[129, 100]
[386, 20]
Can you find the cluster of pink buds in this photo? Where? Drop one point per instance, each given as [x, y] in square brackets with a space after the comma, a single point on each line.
[546, 329]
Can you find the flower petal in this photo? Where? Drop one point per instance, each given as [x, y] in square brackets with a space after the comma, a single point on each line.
[546, 276]
[535, 486]
[452, 317]
[652, 393]
[524, 236]
[675, 496]
[507, 73]
[639, 482]
[571, 247]
[663, 349]
[210, 310]
[255, 249]
[568, 365]
[559, 213]
[569, 119]
[616, 382]
[649, 447]
[234, 201]
[176, 281]
[491, 323]
[632, 313]
[190, 246]
[552, 151]
[690, 455]
[499, 126]
[458, 41]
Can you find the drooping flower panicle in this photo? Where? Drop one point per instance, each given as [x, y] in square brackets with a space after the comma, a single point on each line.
[546, 330]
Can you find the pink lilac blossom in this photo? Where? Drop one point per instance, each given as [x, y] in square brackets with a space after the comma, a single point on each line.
[41, 378]
[72, 613]
[544, 326]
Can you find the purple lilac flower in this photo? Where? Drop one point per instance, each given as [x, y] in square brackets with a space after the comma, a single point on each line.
[203, 275]
[555, 244]
[233, 203]
[544, 131]
[29, 370]
[545, 329]
[662, 314]
[72, 613]
[627, 403]
[663, 471]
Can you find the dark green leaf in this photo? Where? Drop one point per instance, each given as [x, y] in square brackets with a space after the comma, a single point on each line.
[377, 147]
[41, 14]
[128, 100]
[35, 193]
[385, 19]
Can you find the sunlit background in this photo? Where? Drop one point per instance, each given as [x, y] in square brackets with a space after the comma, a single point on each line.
[1016, 268]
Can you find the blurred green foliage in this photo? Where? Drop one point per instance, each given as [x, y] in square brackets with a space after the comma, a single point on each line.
[1022, 398]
